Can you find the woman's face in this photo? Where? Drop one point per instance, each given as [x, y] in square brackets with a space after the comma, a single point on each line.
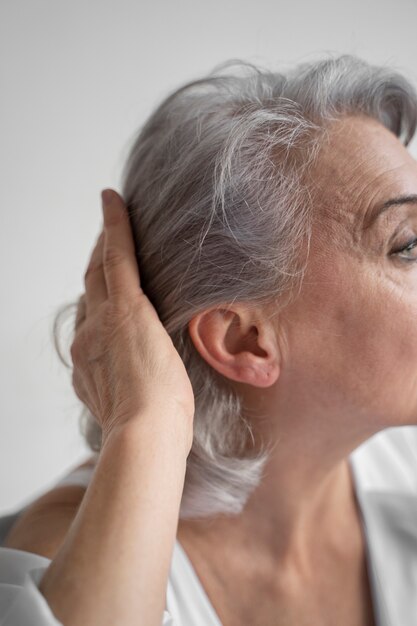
[352, 332]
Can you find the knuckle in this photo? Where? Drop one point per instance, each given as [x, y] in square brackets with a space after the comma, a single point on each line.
[80, 319]
[81, 311]
[109, 318]
[79, 388]
[76, 351]
[112, 257]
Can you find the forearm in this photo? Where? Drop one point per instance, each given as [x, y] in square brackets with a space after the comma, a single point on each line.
[114, 564]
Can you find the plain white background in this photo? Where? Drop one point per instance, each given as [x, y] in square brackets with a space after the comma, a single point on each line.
[77, 80]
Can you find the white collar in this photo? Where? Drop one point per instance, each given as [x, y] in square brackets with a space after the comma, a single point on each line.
[385, 473]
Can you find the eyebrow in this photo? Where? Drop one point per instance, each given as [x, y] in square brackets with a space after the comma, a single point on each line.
[409, 199]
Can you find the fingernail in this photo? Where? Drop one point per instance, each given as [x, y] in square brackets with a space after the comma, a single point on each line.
[107, 196]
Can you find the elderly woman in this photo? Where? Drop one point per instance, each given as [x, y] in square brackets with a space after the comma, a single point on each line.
[242, 340]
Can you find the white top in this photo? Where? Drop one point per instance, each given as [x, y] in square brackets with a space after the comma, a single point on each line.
[385, 476]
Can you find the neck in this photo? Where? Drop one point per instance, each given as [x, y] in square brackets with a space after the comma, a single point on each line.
[304, 504]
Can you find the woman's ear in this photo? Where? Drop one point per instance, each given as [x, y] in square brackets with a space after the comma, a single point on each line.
[239, 343]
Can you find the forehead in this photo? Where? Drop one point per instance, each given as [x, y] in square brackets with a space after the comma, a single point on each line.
[360, 164]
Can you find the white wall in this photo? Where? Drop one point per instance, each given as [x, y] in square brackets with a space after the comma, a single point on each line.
[77, 79]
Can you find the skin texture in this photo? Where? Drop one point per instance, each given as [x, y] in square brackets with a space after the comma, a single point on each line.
[341, 363]
[335, 367]
[113, 564]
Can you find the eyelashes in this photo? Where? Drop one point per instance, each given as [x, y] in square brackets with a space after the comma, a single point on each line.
[409, 247]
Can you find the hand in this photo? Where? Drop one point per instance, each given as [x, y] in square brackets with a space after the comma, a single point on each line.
[124, 361]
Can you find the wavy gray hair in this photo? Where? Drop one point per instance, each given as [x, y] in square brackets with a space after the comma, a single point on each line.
[216, 187]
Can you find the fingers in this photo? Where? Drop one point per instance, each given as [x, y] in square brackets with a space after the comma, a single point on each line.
[81, 311]
[95, 284]
[121, 270]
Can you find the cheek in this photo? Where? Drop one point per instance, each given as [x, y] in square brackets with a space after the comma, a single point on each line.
[353, 341]
[372, 346]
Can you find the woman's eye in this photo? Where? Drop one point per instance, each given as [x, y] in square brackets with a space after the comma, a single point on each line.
[406, 249]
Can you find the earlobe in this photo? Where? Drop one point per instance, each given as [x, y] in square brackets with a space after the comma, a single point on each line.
[237, 347]
[258, 373]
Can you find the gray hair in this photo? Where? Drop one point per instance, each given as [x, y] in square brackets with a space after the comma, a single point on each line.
[215, 184]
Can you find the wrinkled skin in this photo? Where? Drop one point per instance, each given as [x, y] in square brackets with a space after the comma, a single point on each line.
[336, 366]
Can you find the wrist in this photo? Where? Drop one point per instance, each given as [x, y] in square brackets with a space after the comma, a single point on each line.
[159, 428]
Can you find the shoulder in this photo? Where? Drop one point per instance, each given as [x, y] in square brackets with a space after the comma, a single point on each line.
[42, 526]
